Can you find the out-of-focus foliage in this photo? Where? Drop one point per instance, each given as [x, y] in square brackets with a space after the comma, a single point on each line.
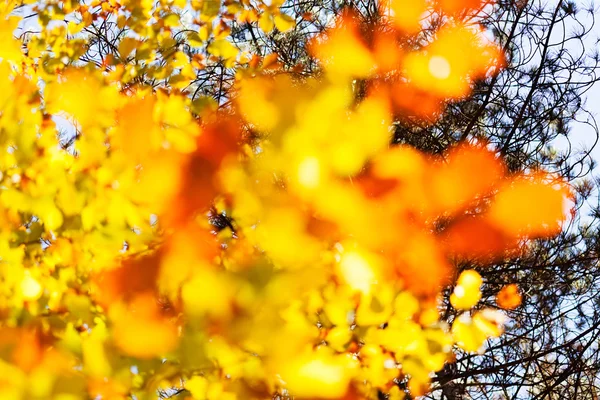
[263, 242]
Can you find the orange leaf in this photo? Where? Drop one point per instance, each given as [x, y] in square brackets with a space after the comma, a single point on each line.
[470, 173]
[476, 238]
[140, 331]
[532, 206]
[509, 297]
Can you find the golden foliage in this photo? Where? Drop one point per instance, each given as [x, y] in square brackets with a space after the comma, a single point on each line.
[321, 274]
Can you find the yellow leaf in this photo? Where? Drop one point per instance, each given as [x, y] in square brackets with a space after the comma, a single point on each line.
[204, 32]
[198, 387]
[377, 307]
[471, 333]
[358, 270]
[94, 356]
[255, 103]
[51, 216]
[318, 375]
[406, 14]
[121, 21]
[171, 20]
[466, 336]
[207, 294]
[30, 287]
[489, 322]
[74, 28]
[223, 48]
[284, 22]
[265, 22]
[466, 293]
[84, 96]
[447, 66]
[195, 40]
[344, 53]
[338, 337]
[127, 45]
[309, 172]
[10, 48]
